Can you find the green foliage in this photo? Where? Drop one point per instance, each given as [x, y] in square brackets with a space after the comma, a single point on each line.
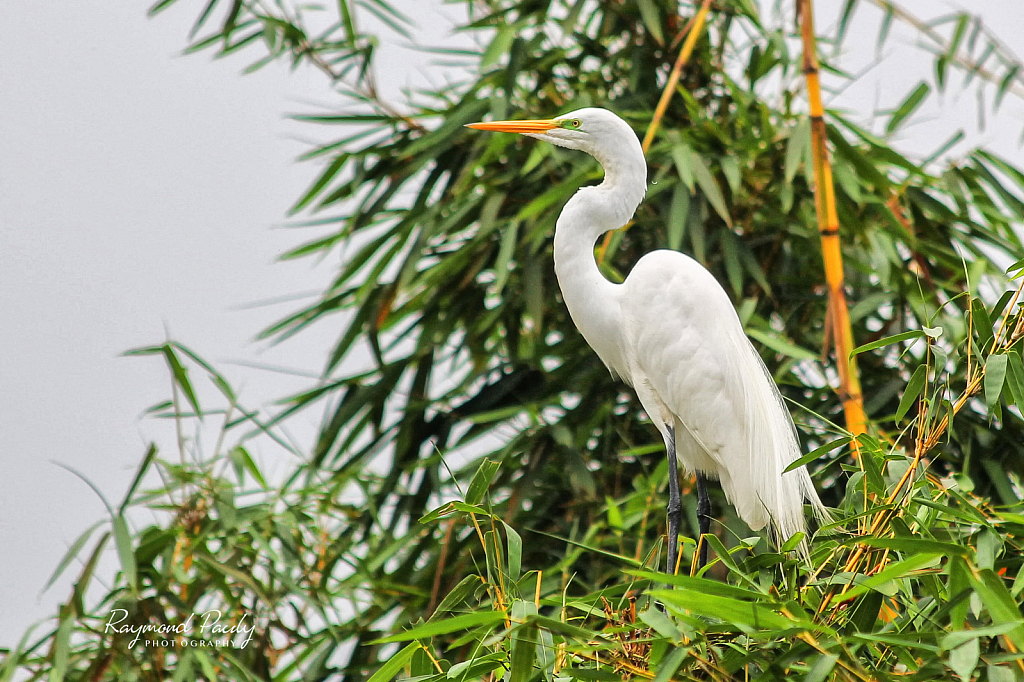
[482, 499]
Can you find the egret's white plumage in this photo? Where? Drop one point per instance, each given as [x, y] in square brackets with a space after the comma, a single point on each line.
[671, 332]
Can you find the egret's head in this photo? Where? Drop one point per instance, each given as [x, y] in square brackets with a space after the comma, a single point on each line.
[591, 130]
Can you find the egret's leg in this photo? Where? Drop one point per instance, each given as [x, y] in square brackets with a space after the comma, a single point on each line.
[675, 506]
[703, 517]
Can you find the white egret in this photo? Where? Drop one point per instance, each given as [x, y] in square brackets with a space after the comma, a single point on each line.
[671, 332]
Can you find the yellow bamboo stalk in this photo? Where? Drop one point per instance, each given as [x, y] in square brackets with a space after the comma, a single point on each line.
[692, 31]
[828, 228]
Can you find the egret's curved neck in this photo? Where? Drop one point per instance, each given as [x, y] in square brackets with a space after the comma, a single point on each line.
[591, 299]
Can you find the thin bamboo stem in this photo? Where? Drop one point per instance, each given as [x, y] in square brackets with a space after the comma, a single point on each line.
[967, 63]
[692, 31]
[828, 228]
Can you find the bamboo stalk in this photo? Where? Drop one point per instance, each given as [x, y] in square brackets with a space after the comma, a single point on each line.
[692, 32]
[828, 228]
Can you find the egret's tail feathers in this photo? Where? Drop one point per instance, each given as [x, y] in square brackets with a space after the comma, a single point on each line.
[773, 445]
[777, 503]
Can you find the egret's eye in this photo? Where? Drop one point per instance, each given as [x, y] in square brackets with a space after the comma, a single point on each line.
[576, 123]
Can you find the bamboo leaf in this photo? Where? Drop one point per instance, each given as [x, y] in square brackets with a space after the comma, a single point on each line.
[957, 638]
[780, 345]
[95, 489]
[651, 19]
[907, 107]
[394, 665]
[885, 27]
[515, 552]
[958, 34]
[525, 640]
[329, 173]
[681, 154]
[458, 594]
[981, 322]
[160, 6]
[680, 209]
[147, 460]
[125, 551]
[844, 19]
[748, 616]
[796, 146]
[180, 374]
[560, 627]
[204, 15]
[941, 67]
[1015, 378]
[478, 667]
[62, 646]
[445, 626]
[387, 15]
[814, 454]
[660, 623]
[895, 571]
[995, 373]
[499, 45]
[912, 392]
[1009, 78]
[347, 22]
[71, 554]
[822, 666]
[670, 664]
[964, 659]
[1000, 605]
[709, 186]
[731, 171]
[481, 481]
[244, 462]
[887, 341]
[999, 674]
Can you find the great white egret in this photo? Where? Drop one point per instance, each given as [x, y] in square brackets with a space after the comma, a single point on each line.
[671, 332]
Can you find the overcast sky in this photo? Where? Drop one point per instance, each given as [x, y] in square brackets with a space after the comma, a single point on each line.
[140, 191]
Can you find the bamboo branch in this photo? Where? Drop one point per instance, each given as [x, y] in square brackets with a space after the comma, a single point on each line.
[927, 438]
[968, 64]
[828, 227]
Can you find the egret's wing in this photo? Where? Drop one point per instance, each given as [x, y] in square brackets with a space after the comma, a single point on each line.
[684, 337]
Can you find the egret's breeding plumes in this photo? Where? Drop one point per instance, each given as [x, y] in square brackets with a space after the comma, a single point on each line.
[671, 332]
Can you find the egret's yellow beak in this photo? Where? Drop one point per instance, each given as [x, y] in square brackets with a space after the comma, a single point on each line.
[540, 126]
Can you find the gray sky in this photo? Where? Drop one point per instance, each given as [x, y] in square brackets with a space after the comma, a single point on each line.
[139, 190]
[136, 191]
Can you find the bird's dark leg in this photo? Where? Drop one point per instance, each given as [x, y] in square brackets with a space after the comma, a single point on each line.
[675, 506]
[703, 518]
